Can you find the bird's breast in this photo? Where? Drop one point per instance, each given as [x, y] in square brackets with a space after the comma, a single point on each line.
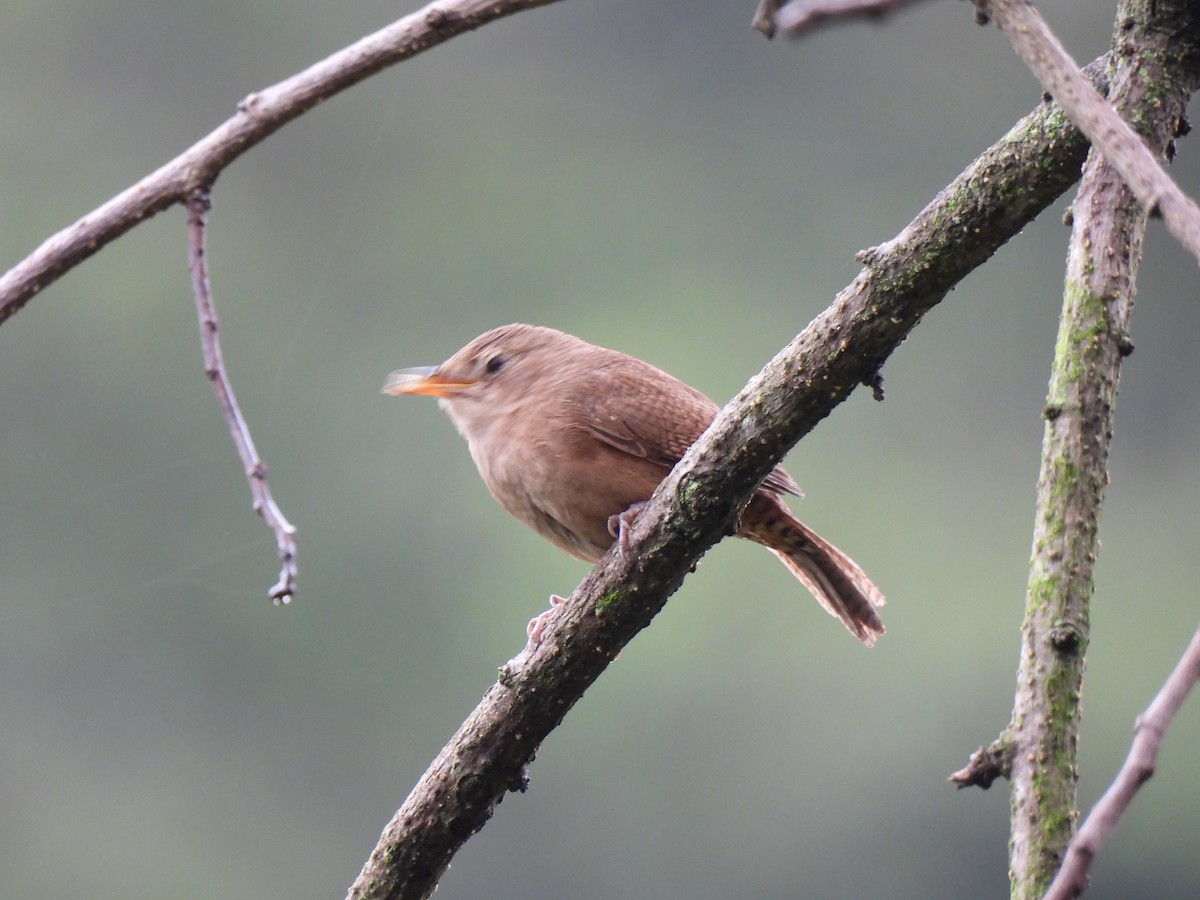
[563, 483]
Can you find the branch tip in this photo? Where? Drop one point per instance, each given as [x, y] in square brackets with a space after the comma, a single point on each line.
[199, 202]
[800, 16]
[875, 382]
[764, 17]
[985, 765]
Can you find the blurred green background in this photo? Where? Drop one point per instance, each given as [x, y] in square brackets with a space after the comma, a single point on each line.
[652, 177]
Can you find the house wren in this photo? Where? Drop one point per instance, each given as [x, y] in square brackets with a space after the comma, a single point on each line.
[572, 439]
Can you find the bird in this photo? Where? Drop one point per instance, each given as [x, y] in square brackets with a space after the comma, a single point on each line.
[572, 439]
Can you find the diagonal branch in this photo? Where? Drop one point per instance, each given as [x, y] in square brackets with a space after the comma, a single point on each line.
[1033, 41]
[198, 205]
[1151, 728]
[700, 500]
[259, 116]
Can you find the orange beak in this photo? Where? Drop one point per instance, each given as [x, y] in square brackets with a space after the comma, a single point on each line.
[423, 380]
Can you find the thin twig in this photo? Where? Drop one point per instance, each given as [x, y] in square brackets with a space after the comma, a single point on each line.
[259, 116]
[1033, 41]
[800, 16]
[198, 205]
[1150, 729]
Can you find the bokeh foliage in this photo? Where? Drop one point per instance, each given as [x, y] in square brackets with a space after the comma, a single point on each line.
[653, 178]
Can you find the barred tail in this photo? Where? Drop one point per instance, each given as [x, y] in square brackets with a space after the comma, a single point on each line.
[833, 578]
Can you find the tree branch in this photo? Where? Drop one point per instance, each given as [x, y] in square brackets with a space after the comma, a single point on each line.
[800, 16]
[198, 205]
[1149, 731]
[986, 765]
[1107, 234]
[259, 116]
[1033, 41]
[700, 500]
[1098, 298]
[189, 178]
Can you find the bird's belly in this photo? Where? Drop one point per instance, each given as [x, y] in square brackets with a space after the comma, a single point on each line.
[564, 497]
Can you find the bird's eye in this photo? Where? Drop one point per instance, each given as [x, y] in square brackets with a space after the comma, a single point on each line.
[494, 365]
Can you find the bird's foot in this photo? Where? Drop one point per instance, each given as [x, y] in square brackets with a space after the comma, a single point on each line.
[538, 623]
[619, 525]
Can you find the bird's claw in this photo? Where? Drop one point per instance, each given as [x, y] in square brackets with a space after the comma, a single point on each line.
[538, 623]
[619, 524]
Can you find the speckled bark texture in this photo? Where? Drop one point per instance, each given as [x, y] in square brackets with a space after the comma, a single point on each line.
[1152, 74]
[699, 502]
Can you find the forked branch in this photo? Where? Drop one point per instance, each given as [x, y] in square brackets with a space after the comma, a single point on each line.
[188, 179]
[259, 116]
[1033, 41]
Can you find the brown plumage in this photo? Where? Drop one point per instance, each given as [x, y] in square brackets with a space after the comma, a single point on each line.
[569, 436]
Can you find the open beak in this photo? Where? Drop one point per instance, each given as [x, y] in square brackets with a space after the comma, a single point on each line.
[423, 380]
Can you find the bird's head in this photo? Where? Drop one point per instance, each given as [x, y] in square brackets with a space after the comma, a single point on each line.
[492, 376]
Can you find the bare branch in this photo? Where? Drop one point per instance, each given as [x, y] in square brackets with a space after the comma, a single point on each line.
[259, 115]
[1033, 41]
[198, 205]
[1108, 227]
[1149, 731]
[800, 16]
[698, 502]
[1071, 485]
